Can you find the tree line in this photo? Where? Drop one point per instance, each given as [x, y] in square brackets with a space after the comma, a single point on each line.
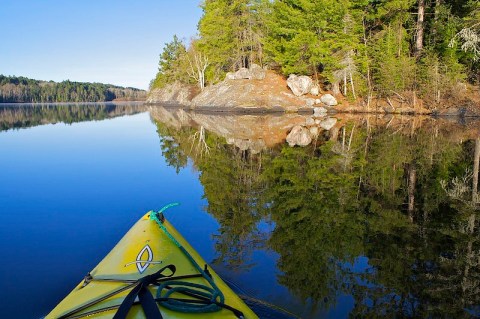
[368, 48]
[24, 90]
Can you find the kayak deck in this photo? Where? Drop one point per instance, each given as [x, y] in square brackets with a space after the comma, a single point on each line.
[152, 257]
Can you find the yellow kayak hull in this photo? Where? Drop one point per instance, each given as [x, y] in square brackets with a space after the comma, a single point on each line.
[144, 250]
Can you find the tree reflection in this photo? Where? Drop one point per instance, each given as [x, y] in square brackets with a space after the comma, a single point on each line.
[232, 185]
[23, 116]
[317, 228]
[384, 193]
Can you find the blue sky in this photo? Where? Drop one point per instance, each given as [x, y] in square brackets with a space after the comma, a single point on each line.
[108, 41]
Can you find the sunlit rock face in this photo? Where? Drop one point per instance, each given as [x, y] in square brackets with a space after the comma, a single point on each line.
[175, 94]
[245, 91]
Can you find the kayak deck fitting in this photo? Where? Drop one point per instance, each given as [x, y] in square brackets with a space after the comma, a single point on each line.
[152, 273]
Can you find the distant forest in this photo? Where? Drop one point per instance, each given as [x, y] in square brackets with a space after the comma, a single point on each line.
[24, 90]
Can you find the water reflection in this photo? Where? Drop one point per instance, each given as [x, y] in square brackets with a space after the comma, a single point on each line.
[29, 115]
[382, 209]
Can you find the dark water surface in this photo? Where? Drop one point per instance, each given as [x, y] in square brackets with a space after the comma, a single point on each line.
[377, 216]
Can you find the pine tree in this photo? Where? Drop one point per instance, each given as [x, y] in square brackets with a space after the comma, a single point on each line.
[308, 37]
[170, 68]
[231, 35]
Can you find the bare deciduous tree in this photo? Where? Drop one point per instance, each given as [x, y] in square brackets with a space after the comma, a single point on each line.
[346, 74]
[197, 65]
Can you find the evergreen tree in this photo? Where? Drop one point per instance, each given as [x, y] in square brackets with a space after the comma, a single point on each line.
[360, 48]
[23, 90]
[309, 36]
[231, 34]
[170, 66]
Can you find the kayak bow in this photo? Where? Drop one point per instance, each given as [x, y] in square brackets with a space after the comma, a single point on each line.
[152, 273]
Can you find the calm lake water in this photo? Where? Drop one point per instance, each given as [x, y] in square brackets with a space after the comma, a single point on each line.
[377, 216]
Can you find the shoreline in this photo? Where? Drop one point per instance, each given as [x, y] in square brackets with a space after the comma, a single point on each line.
[66, 103]
[460, 113]
[272, 94]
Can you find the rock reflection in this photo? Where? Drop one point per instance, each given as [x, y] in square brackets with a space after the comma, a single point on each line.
[398, 192]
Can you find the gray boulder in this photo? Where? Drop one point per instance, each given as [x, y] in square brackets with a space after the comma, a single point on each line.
[315, 90]
[257, 72]
[328, 99]
[328, 123]
[319, 111]
[255, 146]
[314, 131]
[230, 76]
[243, 73]
[299, 85]
[309, 102]
[299, 135]
[254, 73]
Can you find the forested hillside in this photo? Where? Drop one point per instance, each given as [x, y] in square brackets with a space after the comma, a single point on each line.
[362, 49]
[20, 89]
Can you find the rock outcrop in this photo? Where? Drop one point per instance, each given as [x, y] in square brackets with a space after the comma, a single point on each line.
[246, 90]
[299, 85]
[245, 94]
[173, 94]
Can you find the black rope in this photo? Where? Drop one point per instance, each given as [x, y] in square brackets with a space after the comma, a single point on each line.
[139, 288]
[130, 281]
[94, 302]
[146, 300]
